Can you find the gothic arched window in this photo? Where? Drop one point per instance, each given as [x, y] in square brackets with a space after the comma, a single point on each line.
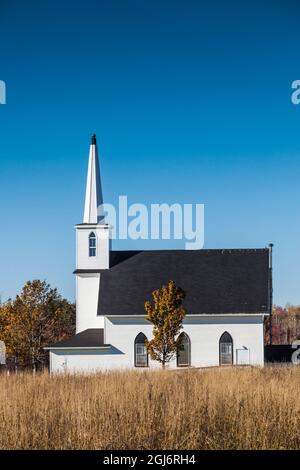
[226, 349]
[140, 351]
[184, 351]
[92, 244]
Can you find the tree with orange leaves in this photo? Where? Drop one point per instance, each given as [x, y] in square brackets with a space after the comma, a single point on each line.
[36, 318]
[166, 314]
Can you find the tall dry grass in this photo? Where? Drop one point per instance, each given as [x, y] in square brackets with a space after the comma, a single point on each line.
[228, 408]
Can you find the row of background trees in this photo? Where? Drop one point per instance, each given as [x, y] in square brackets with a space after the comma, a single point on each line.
[39, 316]
[285, 324]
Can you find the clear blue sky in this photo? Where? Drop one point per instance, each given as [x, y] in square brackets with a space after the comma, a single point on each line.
[190, 101]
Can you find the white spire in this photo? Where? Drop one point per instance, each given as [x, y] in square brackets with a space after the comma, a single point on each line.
[93, 195]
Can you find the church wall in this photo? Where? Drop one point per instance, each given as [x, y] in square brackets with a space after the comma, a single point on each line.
[81, 361]
[204, 333]
[87, 292]
[246, 332]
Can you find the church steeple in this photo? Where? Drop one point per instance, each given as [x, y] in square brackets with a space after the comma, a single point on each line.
[93, 195]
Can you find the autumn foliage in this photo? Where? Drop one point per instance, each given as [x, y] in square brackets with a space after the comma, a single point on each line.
[36, 318]
[285, 324]
[166, 314]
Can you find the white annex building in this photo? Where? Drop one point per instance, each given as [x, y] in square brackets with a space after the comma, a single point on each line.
[228, 293]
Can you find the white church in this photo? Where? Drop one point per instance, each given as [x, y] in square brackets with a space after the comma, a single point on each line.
[228, 294]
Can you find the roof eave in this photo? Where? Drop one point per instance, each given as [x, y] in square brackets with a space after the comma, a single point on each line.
[191, 315]
[48, 348]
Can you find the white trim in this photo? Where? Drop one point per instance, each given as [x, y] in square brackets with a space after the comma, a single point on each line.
[48, 348]
[199, 315]
[87, 274]
[89, 226]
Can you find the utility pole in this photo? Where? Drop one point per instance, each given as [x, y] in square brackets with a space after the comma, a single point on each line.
[271, 291]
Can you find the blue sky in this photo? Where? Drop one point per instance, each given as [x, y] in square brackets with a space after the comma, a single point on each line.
[190, 101]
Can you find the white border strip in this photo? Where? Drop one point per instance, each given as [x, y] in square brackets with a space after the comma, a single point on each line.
[191, 315]
[77, 347]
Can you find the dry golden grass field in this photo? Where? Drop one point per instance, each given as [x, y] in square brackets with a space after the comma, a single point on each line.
[228, 408]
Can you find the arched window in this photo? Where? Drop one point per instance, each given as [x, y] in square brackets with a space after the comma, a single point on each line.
[184, 351]
[140, 351]
[226, 349]
[92, 244]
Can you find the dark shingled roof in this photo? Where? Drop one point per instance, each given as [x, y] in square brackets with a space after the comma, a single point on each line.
[91, 338]
[215, 281]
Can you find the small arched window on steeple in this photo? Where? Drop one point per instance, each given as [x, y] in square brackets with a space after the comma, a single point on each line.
[92, 244]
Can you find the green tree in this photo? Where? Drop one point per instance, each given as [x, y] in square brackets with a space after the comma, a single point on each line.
[166, 314]
[36, 318]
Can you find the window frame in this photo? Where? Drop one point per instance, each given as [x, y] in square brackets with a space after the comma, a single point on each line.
[226, 342]
[140, 340]
[185, 335]
[92, 237]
